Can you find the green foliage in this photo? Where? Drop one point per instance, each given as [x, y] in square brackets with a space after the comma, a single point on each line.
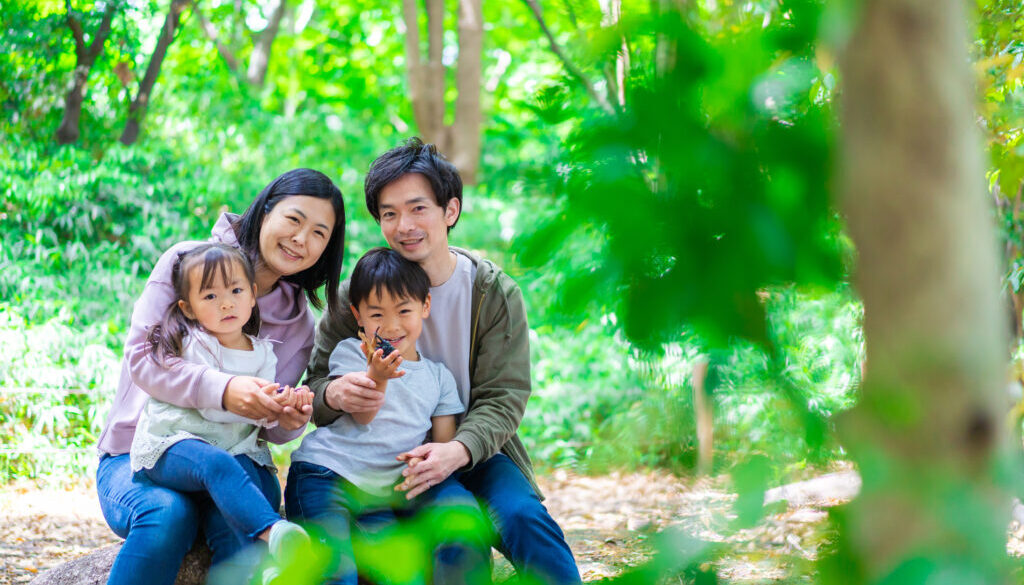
[720, 158]
[54, 378]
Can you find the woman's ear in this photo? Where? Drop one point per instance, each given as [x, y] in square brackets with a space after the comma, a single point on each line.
[186, 309]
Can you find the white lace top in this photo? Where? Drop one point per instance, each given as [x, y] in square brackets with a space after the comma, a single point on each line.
[162, 424]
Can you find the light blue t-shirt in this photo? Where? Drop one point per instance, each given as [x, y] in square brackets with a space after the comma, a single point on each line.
[365, 454]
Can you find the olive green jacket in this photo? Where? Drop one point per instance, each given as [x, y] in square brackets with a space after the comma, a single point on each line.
[499, 366]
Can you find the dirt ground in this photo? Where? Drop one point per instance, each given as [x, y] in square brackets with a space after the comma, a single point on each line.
[610, 522]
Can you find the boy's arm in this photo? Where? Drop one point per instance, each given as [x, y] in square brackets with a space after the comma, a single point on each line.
[442, 428]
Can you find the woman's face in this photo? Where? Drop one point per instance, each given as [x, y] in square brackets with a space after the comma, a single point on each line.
[294, 234]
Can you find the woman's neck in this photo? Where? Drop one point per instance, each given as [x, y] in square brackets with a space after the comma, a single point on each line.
[266, 280]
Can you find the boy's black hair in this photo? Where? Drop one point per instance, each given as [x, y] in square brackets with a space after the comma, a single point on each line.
[383, 269]
[413, 157]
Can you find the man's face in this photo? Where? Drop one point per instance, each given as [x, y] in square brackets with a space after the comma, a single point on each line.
[412, 222]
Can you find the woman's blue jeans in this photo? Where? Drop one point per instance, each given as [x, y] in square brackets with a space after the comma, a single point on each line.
[332, 507]
[160, 524]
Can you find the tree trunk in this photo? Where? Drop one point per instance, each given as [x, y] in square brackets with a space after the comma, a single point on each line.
[137, 111]
[260, 58]
[85, 57]
[704, 410]
[927, 430]
[468, 117]
[426, 80]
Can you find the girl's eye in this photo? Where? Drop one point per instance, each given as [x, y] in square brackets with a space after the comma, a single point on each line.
[238, 290]
[210, 297]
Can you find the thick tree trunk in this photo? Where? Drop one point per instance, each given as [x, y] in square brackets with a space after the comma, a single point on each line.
[468, 117]
[928, 429]
[137, 111]
[261, 50]
[85, 57]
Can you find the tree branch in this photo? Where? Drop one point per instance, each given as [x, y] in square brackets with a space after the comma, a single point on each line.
[569, 66]
[211, 33]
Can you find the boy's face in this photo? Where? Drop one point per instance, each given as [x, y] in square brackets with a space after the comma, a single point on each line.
[411, 220]
[400, 319]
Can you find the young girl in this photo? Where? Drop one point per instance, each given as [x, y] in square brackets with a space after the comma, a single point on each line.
[214, 321]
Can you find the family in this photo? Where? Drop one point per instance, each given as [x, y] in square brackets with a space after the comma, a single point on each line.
[416, 379]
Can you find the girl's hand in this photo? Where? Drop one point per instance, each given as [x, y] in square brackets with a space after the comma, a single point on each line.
[303, 397]
[295, 418]
[284, 396]
[249, 396]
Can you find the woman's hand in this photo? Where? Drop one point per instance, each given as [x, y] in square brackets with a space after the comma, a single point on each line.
[249, 396]
[295, 418]
[430, 464]
[354, 392]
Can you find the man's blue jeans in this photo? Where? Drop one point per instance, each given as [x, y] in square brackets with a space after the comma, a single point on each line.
[328, 503]
[530, 538]
[159, 524]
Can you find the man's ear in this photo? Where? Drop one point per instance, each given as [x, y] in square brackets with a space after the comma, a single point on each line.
[186, 309]
[452, 211]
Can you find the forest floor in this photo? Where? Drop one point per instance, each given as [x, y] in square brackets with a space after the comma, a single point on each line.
[610, 522]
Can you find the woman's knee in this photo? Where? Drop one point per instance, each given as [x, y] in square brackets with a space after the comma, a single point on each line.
[167, 515]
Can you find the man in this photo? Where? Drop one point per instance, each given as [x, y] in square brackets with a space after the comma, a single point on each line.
[478, 329]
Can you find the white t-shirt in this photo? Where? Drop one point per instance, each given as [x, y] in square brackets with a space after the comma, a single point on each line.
[162, 424]
[446, 333]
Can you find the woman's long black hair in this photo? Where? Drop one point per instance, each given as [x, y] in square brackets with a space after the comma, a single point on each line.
[218, 260]
[327, 270]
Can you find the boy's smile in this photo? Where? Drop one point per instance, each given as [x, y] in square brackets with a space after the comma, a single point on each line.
[398, 320]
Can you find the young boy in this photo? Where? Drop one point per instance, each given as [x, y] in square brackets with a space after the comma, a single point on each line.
[350, 468]
[478, 329]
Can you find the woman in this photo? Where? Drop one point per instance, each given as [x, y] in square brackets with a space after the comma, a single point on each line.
[294, 234]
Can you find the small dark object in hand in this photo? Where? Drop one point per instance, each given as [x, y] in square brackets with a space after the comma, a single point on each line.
[383, 344]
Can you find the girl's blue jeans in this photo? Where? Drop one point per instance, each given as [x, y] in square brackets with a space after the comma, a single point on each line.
[335, 510]
[160, 524]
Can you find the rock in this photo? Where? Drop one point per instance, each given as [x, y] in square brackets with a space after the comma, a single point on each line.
[826, 490]
[94, 568]
[639, 524]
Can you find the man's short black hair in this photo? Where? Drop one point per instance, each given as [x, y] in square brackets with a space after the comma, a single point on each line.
[383, 269]
[413, 156]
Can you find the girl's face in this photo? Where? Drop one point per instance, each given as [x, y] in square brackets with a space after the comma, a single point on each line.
[294, 234]
[224, 306]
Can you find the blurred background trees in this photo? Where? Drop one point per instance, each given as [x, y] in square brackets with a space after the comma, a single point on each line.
[661, 178]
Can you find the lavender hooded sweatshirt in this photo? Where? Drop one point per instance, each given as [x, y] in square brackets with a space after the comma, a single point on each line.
[286, 321]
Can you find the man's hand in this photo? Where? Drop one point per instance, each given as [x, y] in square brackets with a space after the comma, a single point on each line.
[250, 397]
[430, 464]
[354, 392]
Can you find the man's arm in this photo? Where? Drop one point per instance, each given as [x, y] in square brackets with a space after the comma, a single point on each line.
[333, 327]
[500, 378]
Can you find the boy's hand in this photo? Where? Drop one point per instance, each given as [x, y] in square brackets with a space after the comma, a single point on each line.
[384, 368]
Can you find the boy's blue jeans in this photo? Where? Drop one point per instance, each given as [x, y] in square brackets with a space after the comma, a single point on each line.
[160, 524]
[328, 504]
